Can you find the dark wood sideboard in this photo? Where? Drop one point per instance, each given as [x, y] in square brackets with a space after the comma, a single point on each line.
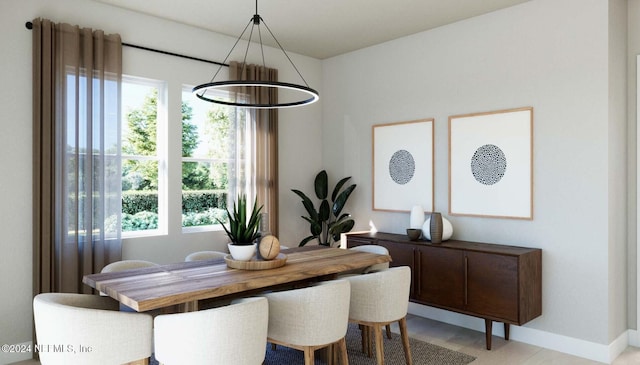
[494, 282]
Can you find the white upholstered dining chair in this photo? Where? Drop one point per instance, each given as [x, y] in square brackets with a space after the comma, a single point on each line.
[379, 299]
[91, 330]
[310, 318]
[381, 250]
[373, 249]
[127, 265]
[234, 334]
[205, 255]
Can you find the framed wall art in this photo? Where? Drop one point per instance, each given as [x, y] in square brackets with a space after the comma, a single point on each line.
[403, 165]
[491, 164]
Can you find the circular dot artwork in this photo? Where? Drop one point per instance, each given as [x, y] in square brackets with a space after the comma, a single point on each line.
[402, 166]
[488, 164]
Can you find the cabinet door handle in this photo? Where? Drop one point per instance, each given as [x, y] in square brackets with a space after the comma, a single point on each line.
[466, 273]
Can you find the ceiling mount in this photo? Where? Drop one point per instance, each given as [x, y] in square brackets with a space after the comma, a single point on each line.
[304, 94]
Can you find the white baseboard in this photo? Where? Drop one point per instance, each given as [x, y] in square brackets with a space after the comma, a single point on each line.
[548, 340]
[634, 338]
[8, 357]
[618, 346]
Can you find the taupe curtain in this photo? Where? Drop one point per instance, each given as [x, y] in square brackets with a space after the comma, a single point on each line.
[76, 154]
[258, 141]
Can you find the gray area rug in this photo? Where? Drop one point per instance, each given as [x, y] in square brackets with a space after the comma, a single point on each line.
[423, 353]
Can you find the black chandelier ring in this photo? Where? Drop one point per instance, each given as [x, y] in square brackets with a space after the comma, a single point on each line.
[200, 92]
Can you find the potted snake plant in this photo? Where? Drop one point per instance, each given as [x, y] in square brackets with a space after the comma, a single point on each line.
[243, 229]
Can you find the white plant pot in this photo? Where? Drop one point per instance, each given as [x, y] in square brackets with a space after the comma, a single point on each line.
[242, 252]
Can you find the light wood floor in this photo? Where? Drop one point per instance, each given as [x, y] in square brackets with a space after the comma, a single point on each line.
[502, 352]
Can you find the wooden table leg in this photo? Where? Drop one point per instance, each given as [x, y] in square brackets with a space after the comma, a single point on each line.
[188, 306]
[506, 331]
[488, 324]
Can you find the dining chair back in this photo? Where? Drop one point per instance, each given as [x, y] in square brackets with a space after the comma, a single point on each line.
[88, 329]
[379, 299]
[310, 318]
[381, 250]
[127, 265]
[234, 334]
[205, 255]
[373, 249]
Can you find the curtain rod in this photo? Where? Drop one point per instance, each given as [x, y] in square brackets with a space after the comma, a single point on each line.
[29, 26]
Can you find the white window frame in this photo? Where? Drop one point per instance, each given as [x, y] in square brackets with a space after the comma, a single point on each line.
[211, 227]
[161, 155]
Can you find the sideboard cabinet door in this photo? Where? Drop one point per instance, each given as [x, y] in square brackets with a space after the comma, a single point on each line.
[400, 255]
[492, 285]
[439, 277]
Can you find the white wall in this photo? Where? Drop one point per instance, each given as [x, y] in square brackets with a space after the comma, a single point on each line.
[551, 55]
[556, 56]
[15, 182]
[299, 157]
[633, 41]
[618, 181]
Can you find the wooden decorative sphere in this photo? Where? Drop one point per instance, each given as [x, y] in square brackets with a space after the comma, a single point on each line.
[269, 247]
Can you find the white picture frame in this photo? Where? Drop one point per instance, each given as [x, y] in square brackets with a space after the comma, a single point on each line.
[403, 165]
[491, 164]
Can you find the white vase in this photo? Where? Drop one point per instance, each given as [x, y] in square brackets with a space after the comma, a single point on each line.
[447, 229]
[417, 217]
[242, 252]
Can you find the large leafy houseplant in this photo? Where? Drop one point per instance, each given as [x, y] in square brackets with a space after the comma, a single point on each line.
[243, 229]
[328, 221]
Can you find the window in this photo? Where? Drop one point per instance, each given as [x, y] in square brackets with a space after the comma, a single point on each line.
[209, 150]
[206, 159]
[142, 176]
[210, 154]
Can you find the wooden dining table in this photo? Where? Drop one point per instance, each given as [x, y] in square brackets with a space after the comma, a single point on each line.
[183, 285]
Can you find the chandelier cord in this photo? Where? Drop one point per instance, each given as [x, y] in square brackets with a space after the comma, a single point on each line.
[264, 64]
[232, 48]
[246, 51]
[244, 61]
[311, 94]
[285, 52]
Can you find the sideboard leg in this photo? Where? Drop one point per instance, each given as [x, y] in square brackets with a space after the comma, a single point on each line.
[506, 331]
[488, 324]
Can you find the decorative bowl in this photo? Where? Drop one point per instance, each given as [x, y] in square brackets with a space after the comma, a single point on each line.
[414, 233]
